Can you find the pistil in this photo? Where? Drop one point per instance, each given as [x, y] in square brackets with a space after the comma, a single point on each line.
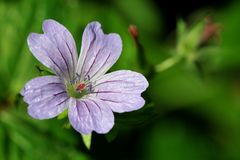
[76, 90]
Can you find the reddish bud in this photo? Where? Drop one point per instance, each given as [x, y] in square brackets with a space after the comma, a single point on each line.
[133, 31]
[211, 30]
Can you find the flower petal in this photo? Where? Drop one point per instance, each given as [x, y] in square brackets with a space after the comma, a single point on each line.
[58, 34]
[98, 53]
[121, 90]
[46, 97]
[55, 48]
[91, 114]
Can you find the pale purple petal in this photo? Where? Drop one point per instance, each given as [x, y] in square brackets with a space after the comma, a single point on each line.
[91, 114]
[121, 90]
[98, 53]
[46, 97]
[63, 39]
[40, 82]
[55, 49]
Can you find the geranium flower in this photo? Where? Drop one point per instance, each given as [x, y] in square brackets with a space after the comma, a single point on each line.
[82, 87]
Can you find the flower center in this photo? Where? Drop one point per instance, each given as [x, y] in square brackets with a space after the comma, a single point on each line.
[77, 90]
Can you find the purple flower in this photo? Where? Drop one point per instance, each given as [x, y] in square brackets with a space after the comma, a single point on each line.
[82, 87]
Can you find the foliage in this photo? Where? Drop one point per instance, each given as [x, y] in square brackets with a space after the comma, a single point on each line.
[192, 104]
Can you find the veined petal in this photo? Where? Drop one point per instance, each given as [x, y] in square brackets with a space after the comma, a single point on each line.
[46, 97]
[62, 38]
[98, 53]
[121, 90]
[40, 82]
[92, 114]
[55, 49]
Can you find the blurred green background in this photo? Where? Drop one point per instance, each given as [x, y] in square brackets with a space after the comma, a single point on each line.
[188, 50]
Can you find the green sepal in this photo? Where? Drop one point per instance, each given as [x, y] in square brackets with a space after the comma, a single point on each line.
[62, 115]
[43, 71]
[188, 39]
[87, 138]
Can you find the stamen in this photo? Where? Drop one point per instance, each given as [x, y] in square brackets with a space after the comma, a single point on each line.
[75, 79]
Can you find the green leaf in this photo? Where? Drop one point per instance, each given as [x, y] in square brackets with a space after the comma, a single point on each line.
[110, 136]
[2, 146]
[143, 14]
[20, 133]
[87, 140]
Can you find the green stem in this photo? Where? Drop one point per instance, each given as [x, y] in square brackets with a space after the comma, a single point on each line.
[168, 63]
